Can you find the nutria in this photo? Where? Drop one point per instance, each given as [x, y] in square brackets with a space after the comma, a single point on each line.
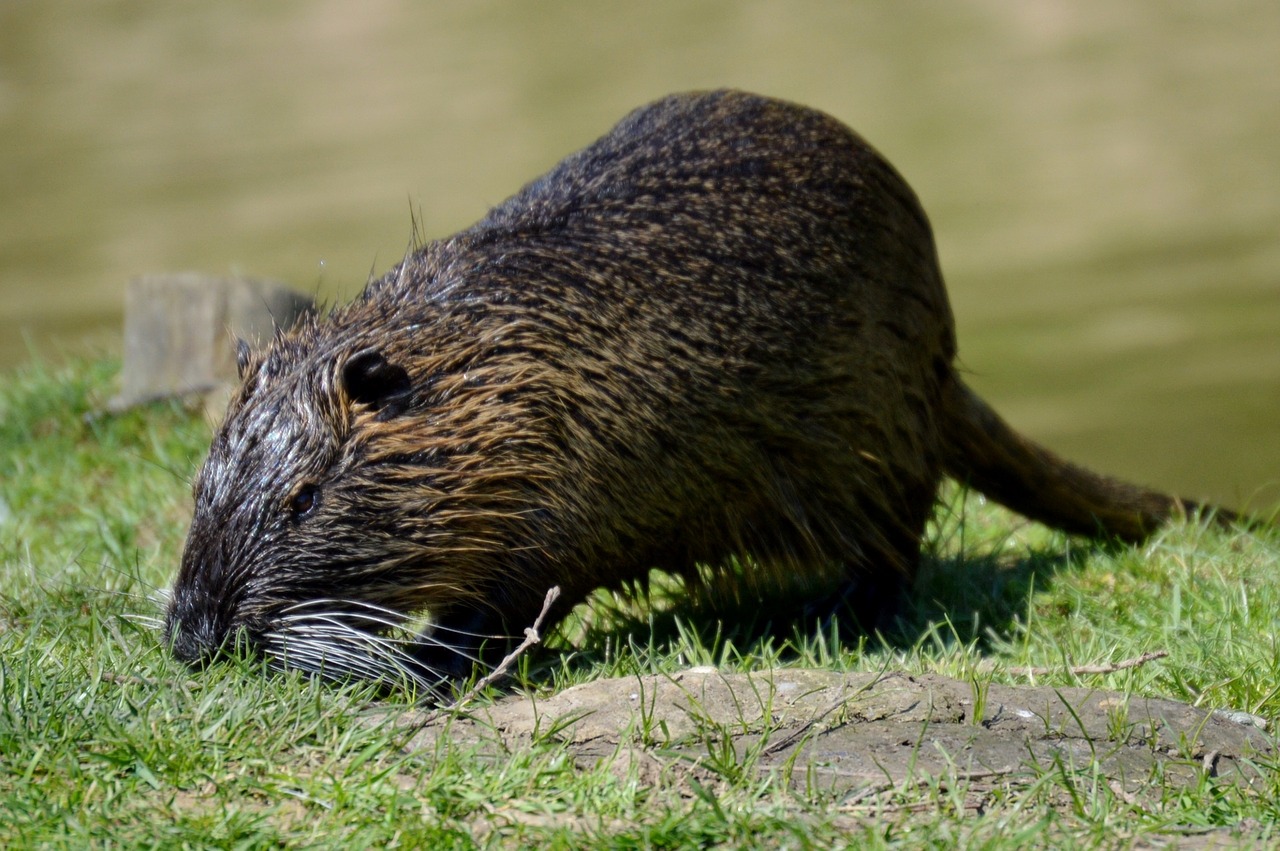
[716, 336]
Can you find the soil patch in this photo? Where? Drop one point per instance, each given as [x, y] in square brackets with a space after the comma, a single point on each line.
[861, 735]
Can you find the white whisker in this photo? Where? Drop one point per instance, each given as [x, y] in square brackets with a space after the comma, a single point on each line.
[345, 639]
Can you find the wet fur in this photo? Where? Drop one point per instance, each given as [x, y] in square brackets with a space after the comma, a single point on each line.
[719, 333]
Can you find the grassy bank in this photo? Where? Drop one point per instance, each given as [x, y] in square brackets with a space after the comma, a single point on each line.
[104, 740]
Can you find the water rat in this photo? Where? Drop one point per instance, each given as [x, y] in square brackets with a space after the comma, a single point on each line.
[719, 334]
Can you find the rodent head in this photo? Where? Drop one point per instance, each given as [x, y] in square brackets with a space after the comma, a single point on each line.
[340, 497]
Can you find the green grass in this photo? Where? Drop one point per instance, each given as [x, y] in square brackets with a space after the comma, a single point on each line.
[106, 741]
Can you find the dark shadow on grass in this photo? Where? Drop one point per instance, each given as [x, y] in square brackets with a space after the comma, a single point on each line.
[980, 595]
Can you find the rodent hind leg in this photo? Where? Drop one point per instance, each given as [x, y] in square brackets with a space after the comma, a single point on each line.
[882, 557]
[876, 575]
[871, 600]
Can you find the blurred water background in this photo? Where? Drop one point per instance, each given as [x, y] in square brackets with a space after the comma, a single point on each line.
[1104, 177]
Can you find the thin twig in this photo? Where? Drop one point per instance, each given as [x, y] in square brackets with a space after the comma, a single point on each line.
[1110, 668]
[531, 637]
[855, 800]
[797, 734]
[126, 680]
[130, 680]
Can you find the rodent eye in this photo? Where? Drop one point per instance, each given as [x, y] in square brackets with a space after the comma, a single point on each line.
[304, 501]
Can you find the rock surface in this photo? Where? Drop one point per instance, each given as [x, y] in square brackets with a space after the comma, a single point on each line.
[842, 733]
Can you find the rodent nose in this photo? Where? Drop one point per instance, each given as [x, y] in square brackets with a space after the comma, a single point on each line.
[197, 648]
[192, 638]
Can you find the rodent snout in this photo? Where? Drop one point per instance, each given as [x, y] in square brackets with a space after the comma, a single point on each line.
[198, 639]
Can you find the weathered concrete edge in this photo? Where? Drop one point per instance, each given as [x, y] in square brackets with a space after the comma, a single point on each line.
[848, 731]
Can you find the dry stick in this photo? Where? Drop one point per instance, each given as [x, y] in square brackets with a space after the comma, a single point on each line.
[856, 800]
[1091, 669]
[126, 680]
[795, 735]
[130, 680]
[531, 637]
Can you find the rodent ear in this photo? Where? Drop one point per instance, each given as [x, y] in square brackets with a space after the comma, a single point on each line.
[368, 377]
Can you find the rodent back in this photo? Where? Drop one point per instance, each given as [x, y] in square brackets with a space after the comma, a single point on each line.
[681, 344]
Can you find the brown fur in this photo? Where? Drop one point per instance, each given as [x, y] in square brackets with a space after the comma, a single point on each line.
[720, 332]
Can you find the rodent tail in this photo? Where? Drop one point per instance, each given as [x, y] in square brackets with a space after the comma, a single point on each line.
[984, 452]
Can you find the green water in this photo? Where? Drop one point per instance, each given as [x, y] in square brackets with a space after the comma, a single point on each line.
[1104, 177]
